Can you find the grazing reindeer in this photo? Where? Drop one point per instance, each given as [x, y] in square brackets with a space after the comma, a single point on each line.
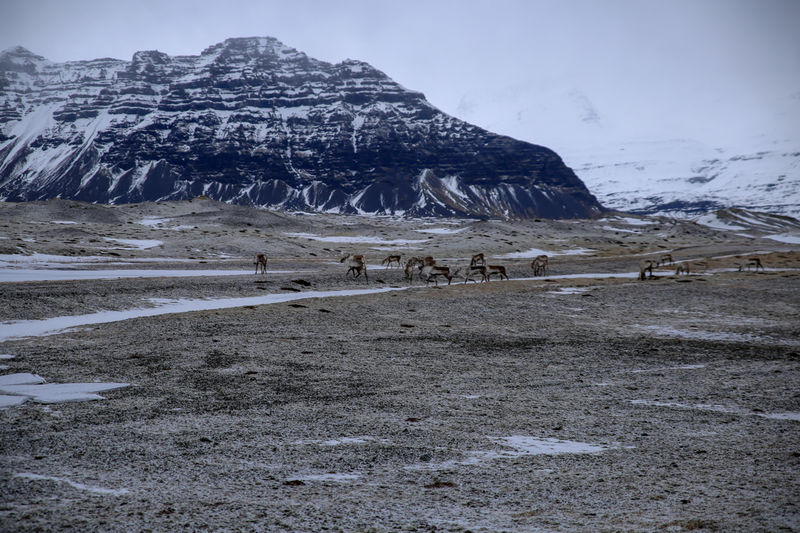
[539, 265]
[477, 259]
[356, 264]
[694, 266]
[432, 272]
[468, 271]
[751, 262]
[391, 260]
[646, 265]
[409, 268]
[500, 270]
[665, 259]
[261, 263]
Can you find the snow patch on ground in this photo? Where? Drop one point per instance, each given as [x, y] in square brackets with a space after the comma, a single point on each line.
[513, 447]
[18, 275]
[570, 290]
[734, 410]
[140, 244]
[441, 231]
[535, 252]
[355, 239]
[56, 325]
[73, 484]
[342, 441]
[786, 238]
[18, 388]
[667, 368]
[668, 331]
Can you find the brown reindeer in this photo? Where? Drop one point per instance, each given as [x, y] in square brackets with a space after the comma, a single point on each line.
[468, 271]
[356, 264]
[751, 262]
[409, 268]
[392, 259]
[665, 259]
[646, 265]
[480, 270]
[261, 263]
[432, 272]
[539, 265]
[477, 259]
[687, 267]
[500, 270]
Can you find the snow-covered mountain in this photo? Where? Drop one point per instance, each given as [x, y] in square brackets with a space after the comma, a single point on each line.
[650, 164]
[252, 121]
[685, 177]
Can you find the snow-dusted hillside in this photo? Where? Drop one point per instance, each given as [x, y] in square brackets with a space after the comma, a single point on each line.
[683, 177]
[251, 121]
[635, 157]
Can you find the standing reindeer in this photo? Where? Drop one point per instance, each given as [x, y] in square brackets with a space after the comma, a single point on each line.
[751, 262]
[477, 259]
[646, 265]
[261, 263]
[665, 259]
[500, 270]
[356, 264]
[409, 268]
[432, 272]
[539, 265]
[481, 269]
[391, 259]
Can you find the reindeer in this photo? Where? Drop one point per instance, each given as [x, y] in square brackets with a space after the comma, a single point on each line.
[391, 259]
[468, 271]
[500, 270]
[356, 264]
[751, 262]
[409, 268]
[477, 259]
[665, 259]
[688, 267]
[432, 272]
[646, 265]
[481, 269]
[261, 263]
[539, 265]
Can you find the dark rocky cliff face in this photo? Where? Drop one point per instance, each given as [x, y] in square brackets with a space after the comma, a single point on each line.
[253, 122]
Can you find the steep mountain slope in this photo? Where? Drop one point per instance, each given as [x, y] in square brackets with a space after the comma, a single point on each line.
[251, 121]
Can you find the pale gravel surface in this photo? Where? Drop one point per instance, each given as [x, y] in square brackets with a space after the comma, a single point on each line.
[229, 422]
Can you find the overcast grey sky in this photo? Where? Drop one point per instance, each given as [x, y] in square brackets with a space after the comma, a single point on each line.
[555, 72]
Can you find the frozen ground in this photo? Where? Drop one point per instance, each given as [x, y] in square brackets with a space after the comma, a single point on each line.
[301, 400]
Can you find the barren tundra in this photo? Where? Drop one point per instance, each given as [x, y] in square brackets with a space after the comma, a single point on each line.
[304, 400]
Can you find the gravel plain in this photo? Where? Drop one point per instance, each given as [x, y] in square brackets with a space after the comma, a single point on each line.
[575, 402]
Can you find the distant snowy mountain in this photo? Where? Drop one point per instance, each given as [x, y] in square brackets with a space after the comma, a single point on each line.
[682, 177]
[251, 121]
[631, 165]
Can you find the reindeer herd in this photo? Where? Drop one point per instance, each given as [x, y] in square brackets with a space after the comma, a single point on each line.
[427, 270]
[478, 270]
[646, 266]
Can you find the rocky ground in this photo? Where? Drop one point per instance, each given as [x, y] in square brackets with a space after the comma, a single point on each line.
[579, 402]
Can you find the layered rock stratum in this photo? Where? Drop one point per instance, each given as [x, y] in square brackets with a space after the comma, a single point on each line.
[251, 121]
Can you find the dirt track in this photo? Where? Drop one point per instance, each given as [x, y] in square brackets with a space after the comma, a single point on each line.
[419, 409]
